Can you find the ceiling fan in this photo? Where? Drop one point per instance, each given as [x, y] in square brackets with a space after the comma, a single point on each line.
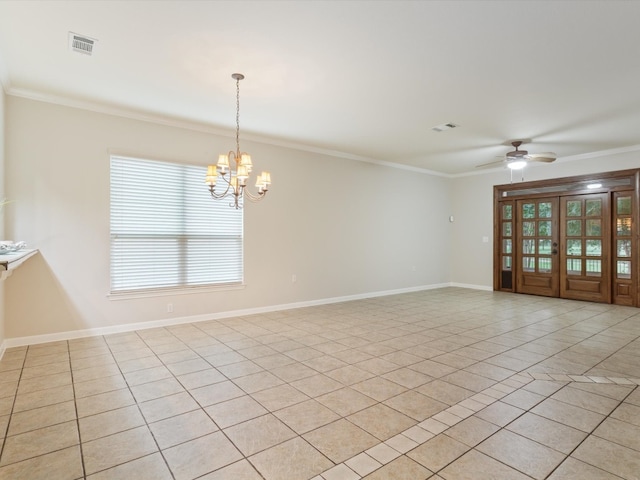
[517, 159]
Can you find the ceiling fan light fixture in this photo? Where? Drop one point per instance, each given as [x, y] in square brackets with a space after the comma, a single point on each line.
[517, 165]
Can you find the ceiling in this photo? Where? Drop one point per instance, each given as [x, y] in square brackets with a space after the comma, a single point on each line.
[361, 79]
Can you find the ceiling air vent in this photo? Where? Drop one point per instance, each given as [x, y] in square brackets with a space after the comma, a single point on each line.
[81, 43]
[444, 126]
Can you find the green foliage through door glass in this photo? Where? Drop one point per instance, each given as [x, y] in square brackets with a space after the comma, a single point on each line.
[529, 210]
[623, 206]
[574, 208]
[574, 228]
[544, 210]
[593, 207]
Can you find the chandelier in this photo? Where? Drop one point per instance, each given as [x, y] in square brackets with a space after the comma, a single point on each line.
[228, 178]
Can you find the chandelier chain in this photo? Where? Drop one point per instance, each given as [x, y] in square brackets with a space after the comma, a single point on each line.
[234, 169]
[238, 116]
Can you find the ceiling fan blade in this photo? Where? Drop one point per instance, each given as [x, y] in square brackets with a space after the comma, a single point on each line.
[543, 155]
[499, 162]
[543, 159]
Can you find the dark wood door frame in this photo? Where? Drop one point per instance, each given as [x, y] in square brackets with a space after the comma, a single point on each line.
[622, 236]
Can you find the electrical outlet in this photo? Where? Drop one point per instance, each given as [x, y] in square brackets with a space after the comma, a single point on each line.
[294, 278]
[169, 307]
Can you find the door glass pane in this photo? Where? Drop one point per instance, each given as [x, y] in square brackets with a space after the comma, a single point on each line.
[623, 226]
[507, 212]
[529, 264]
[528, 229]
[624, 248]
[574, 266]
[544, 210]
[593, 207]
[574, 247]
[506, 263]
[506, 229]
[594, 268]
[544, 228]
[528, 246]
[544, 247]
[506, 246]
[593, 228]
[623, 206]
[574, 228]
[544, 264]
[624, 269]
[529, 210]
[594, 248]
[574, 208]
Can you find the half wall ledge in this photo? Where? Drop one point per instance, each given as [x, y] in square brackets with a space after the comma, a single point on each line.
[10, 261]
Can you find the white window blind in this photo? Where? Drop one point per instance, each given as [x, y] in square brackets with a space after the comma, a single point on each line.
[167, 231]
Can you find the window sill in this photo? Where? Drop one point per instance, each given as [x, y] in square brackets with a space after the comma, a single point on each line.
[167, 292]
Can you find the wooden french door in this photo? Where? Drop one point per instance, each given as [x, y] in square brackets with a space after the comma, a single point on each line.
[625, 254]
[574, 237]
[563, 247]
[585, 245]
[537, 238]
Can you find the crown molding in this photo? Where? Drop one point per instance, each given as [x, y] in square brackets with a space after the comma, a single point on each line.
[5, 82]
[601, 153]
[200, 127]
[208, 129]
[570, 158]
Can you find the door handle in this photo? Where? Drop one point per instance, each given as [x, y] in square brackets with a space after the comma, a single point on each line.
[554, 251]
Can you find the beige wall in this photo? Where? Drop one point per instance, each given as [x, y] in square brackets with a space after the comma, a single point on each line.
[345, 228]
[2, 195]
[472, 197]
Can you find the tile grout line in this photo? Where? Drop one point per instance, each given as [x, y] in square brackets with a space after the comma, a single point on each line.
[13, 404]
[138, 407]
[187, 390]
[444, 425]
[75, 406]
[606, 417]
[496, 391]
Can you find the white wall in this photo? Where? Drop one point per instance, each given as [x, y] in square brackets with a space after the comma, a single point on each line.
[343, 227]
[2, 195]
[472, 205]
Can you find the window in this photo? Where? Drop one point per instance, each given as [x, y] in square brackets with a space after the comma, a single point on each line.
[167, 231]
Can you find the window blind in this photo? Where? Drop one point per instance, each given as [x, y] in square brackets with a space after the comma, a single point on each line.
[167, 231]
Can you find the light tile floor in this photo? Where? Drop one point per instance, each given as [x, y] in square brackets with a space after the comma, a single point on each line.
[445, 384]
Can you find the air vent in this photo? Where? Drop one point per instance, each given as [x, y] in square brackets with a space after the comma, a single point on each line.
[444, 126]
[81, 43]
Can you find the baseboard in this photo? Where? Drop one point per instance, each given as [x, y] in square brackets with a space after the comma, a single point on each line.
[472, 287]
[92, 332]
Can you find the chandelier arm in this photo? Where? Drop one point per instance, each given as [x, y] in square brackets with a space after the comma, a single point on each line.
[236, 184]
[223, 194]
[219, 196]
[254, 197]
